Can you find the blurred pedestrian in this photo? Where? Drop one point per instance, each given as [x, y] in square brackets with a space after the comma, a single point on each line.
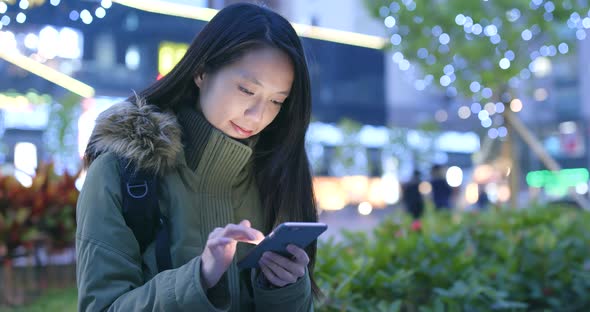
[412, 197]
[441, 190]
[223, 136]
[483, 201]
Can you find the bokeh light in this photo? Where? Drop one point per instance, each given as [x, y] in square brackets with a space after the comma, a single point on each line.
[425, 188]
[516, 105]
[454, 176]
[464, 112]
[365, 208]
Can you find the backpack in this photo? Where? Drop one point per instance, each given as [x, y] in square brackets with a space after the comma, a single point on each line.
[142, 213]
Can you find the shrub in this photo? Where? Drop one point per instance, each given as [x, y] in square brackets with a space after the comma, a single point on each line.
[530, 259]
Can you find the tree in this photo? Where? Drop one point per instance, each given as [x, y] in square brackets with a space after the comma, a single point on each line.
[482, 50]
[476, 47]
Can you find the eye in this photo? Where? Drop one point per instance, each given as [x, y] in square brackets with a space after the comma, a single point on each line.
[277, 103]
[244, 90]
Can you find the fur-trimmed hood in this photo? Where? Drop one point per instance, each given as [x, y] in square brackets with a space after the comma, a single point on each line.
[140, 133]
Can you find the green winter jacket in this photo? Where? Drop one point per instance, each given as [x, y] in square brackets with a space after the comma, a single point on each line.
[206, 183]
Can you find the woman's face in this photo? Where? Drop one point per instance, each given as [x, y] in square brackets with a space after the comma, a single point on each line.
[241, 99]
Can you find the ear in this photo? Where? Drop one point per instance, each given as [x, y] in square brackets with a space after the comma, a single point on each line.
[199, 79]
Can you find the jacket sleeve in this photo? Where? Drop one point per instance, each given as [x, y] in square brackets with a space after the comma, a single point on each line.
[295, 297]
[109, 267]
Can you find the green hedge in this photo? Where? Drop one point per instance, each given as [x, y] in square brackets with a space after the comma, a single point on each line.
[533, 259]
[60, 300]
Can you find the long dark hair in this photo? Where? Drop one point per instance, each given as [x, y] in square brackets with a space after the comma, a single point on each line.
[282, 169]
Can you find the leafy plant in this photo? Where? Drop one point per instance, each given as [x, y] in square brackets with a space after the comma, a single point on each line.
[515, 260]
[46, 210]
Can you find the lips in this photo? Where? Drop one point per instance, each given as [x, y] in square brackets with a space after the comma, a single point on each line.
[241, 130]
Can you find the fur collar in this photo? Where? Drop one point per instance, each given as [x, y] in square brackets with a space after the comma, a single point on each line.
[140, 133]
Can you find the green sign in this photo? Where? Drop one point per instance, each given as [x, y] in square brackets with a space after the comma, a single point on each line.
[558, 182]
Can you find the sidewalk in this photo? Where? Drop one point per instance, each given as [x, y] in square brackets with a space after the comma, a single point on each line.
[350, 219]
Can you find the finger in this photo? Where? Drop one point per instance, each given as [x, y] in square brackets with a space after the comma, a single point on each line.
[245, 223]
[279, 271]
[294, 268]
[259, 237]
[271, 277]
[215, 233]
[241, 237]
[299, 254]
[234, 230]
[253, 235]
[220, 241]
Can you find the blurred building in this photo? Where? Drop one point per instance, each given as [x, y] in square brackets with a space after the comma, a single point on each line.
[584, 78]
[115, 49]
[405, 106]
[128, 48]
[557, 104]
[558, 109]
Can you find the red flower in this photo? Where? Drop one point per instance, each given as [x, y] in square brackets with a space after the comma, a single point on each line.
[547, 291]
[416, 226]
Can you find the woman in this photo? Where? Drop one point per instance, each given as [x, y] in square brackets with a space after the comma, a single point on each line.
[224, 133]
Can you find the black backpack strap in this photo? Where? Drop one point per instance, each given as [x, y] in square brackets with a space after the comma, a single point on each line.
[142, 212]
[163, 258]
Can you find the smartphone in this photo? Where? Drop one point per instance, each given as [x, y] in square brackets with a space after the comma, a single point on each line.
[300, 234]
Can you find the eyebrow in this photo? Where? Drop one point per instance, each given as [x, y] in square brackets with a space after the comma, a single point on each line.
[256, 82]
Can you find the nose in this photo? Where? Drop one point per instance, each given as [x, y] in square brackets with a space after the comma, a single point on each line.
[255, 112]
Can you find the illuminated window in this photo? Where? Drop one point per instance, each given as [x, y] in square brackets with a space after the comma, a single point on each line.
[169, 54]
[132, 58]
[25, 162]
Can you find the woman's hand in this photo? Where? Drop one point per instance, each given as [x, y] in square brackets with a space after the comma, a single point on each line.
[281, 271]
[221, 248]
